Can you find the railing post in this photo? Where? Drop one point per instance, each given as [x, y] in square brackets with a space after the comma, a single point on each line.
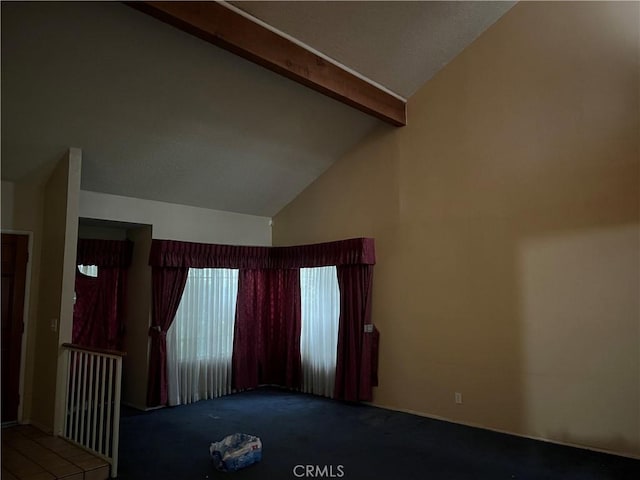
[66, 418]
[116, 424]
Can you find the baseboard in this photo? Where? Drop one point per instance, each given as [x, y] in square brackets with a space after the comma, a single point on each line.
[506, 432]
[142, 409]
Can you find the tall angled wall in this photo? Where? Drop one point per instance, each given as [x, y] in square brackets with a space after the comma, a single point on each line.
[506, 219]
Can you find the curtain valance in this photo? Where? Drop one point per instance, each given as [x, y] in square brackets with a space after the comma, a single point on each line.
[170, 253]
[104, 253]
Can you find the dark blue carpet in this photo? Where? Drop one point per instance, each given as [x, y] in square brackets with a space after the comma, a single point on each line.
[357, 441]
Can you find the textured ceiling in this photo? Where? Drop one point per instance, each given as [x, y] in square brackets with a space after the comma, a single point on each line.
[164, 116]
[399, 45]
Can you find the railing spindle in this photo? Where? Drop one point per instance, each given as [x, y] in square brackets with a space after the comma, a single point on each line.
[102, 389]
[89, 401]
[109, 399]
[96, 405]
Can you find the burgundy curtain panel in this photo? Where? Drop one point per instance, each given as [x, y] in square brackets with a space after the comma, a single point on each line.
[84, 309]
[355, 373]
[266, 343]
[98, 314]
[167, 286]
[247, 344]
[281, 362]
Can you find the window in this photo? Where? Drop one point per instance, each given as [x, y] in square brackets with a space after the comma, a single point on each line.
[88, 270]
[320, 301]
[200, 340]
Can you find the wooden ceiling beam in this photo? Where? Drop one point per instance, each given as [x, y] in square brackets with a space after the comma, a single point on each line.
[225, 28]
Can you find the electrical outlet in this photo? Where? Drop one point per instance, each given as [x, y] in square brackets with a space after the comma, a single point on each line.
[54, 324]
[458, 398]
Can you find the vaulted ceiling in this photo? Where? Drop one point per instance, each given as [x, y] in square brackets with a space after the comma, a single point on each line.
[163, 115]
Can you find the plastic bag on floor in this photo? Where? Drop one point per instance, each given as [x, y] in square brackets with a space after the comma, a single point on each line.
[236, 451]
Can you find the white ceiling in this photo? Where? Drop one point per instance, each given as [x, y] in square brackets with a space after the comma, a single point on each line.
[164, 116]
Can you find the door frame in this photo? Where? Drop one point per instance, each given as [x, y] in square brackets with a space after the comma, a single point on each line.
[25, 317]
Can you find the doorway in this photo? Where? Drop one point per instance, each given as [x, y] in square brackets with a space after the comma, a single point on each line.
[15, 248]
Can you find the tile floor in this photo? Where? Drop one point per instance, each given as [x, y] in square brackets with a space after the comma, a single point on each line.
[30, 454]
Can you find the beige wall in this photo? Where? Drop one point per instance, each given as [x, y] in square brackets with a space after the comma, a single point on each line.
[138, 320]
[178, 222]
[506, 219]
[22, 211]
[8, 192]
[55, 306]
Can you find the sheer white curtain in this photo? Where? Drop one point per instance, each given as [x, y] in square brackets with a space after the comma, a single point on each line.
[200, 340]
[320, 301]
